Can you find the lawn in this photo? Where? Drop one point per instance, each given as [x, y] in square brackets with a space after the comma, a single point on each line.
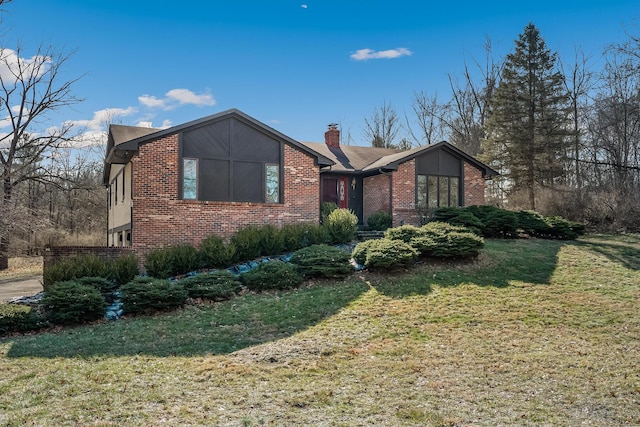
[531, 333]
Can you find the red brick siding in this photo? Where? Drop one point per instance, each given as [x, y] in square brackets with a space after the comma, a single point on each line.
[376, 195]
[473, 186]
[403, 195]
[160, 218]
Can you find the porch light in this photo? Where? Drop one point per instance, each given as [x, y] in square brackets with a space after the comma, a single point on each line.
[353, 183]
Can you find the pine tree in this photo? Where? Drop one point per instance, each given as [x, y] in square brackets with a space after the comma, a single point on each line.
[528, 125]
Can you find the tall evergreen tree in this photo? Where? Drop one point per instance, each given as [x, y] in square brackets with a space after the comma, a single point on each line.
[529, 118]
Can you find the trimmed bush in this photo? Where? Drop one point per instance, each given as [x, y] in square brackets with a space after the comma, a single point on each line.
[70, 302]
[171, 261]
[247, 243]
[386, 253]
[443, 240]
[271, 240]
[404, 233]
[342, 225]
[561, 228]
[125, 269]
[533, 224]
[73, 268]
[379, 221]
[272, 275]
[217, 286]
[359, 253]
[497, 223]
[19, 318]
[317, 234]
[215, 253]
[459, 216]
[325, 210]
[104, 286]
[142, 296]
[322, 261]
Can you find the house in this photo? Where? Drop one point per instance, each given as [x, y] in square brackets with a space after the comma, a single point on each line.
[228, 170]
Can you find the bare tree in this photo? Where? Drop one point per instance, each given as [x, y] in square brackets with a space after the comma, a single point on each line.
[29, 90]
[382, 127]
[430, 117]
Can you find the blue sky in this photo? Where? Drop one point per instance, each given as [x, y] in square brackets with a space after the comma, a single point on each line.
[294, 65]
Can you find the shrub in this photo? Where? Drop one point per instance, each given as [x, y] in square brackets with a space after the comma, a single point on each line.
[125, 268]
[533, 224]
[359, 253]
[325, 210]
[247, 243]
[215, 253]
[322, 261]
[496, 222]
[104, 286]
[73, 268]
[272, 275]
[218, 285]
[563, 229]
[271, 240]
[379, 221]
[70, 302]
[459, 216]
[342, 225]
[386, 253]
[443, 240]
[171, 261]
[19, 318]
[143, 296]
[403, 233]
[317, 234]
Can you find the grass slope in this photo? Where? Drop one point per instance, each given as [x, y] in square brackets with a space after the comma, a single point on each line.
[532, 333]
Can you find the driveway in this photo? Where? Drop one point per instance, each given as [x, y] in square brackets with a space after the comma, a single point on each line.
[25, 286]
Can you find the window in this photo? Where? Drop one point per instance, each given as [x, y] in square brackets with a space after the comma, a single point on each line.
[272, 179]
[437, 191]
[190, 181]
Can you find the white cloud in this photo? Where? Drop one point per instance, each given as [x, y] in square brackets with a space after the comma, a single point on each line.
[177, 97]
[366, 54]
[304, 6]
[12, 67]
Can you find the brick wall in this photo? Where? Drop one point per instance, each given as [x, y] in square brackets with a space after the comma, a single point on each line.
[403, 195]
[160, 218]
[473, 186]
[376, 195]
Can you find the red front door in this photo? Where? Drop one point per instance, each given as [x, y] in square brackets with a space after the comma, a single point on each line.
[336, 190]
[343, 192]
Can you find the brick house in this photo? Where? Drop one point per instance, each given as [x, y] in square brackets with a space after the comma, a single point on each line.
[228, 170]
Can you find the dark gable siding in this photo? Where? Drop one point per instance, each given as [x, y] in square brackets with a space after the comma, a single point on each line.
[439, 162]
[232, 157]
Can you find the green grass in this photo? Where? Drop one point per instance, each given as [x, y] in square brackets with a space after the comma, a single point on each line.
[531, 333]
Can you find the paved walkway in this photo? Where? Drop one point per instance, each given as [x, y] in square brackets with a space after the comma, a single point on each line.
[24, 286]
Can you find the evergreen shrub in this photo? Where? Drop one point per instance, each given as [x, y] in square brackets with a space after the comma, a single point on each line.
[75, 267]
[215, 253]
[533, 224]
[170, 261]
[247, 243]
[218, 285]
[71, 302]
[325, 210]
[124, 269]
[385, 253]
[379, 221]
[147, 296]
[271, 240]
[497, 223]
[322, 261]
[443, 240]
[19, 318]
[272, 275]
[342, 225]
[404, 233]
[104, 286]
[459, 216]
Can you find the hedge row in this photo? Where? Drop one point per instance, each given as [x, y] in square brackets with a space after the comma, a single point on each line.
[493, 222]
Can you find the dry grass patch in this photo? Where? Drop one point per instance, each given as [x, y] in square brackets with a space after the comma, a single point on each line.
[22, 267]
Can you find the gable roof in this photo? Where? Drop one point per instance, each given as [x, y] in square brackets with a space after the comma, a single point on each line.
[372, 160]
[125, 141]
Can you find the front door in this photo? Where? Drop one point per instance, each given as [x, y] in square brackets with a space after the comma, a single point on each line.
[343, 192]
[336, 190]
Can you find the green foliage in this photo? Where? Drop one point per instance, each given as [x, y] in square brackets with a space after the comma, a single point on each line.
[215, 253]
[143, 296]
[125, 268]
[496, 222]
[322, 261]
[533, 224]
[459, 216]
[247, 243]
[104, 286]
[71, 302]
[218, 285]
[272, 275]
[325, 210]
[342, 225]
[443, 240]
[404, 233]
[171, 261]
[271, 240]
[560, 228]
[317, 234]
[379, 221]
[73, 268]
[384, 254]
[19, 318]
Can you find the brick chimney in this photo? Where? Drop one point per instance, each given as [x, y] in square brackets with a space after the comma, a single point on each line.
[332, 136]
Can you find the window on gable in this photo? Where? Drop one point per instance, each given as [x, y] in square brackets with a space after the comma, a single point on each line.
[272, 179]
[433, 192]
[190, 179]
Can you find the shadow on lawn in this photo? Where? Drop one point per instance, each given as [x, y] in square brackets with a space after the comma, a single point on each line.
[501, 263]
[219, 328]
[622, 251]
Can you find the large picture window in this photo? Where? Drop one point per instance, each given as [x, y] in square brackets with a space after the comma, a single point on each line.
[433, 192]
